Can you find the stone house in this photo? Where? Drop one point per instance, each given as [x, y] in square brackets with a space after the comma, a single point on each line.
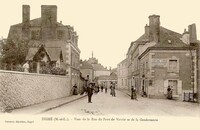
[48, 32]
[162, 58]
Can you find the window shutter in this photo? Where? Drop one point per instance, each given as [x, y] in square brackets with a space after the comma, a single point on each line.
[179, 87]
[165, 86]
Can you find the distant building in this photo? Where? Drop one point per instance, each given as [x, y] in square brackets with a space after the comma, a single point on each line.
[122, 74]
[94, 70]
[56, 38]
[107, 80]
[162, 58]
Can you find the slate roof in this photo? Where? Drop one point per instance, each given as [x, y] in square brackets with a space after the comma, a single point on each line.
[166, 36]
[36, 23]
[86, 65]
[31, 53]
[52, 44]
[112, 76]
[53, 53]
[99, 67]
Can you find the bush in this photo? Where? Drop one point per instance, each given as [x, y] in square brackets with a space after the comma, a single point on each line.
[58, 71]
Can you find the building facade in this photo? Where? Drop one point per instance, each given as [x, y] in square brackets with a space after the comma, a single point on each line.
[162, 58]
[48, 32]
[122, 74]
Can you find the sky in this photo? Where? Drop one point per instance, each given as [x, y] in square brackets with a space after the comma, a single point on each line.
[107, 27]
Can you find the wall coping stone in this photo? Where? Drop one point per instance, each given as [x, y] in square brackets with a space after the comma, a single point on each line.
[35, 74]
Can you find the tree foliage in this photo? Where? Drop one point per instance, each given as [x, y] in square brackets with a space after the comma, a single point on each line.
[14, 53]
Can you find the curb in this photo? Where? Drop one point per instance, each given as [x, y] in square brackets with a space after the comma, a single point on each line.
[59, 105]
[125, 92]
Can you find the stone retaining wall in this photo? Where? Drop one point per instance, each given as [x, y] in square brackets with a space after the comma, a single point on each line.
[19, 89]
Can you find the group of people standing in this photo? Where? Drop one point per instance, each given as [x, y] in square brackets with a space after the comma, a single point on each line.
[92, 88]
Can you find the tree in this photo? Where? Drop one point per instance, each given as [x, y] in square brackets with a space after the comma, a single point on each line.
[14, 53]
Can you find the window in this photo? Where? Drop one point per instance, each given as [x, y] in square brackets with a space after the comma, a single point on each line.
[122, 82]
[173, 65]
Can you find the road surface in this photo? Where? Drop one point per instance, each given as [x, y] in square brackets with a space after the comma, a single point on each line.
[105, 104]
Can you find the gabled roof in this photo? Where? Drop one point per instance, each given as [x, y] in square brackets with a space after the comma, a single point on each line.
[31, 53]
[51, 44]
[53, 53]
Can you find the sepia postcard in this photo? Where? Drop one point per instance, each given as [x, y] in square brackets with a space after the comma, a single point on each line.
[99, 64]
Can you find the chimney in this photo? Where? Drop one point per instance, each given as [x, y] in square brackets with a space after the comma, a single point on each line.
[49, 21]
[154, 28]
[25, 22]
[147, 32]
[25, 14]
[192, 33]
[49, 15]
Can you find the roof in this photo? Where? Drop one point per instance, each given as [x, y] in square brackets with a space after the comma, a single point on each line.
[31, 53]
[170, 38]
[86, 65]
[108, 77]
[36, 22]
[51, 44]
[99, 67]
[53, 53]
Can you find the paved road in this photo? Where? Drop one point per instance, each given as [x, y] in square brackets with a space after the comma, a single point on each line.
[105, 104]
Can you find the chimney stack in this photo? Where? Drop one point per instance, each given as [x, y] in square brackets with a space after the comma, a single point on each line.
[25, 22]
[49, 14]
[25, 14]
[147, 32]
[192, 33]
[154, 28]
[49, 21]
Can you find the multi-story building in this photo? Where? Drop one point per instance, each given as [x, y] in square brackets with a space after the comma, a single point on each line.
[162, 58]
[54, 36]
[122, 74]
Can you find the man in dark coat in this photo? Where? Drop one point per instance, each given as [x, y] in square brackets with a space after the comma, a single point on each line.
[101, 88]
[75, 90]
[90, 92]
[133, 93]
[169, 92]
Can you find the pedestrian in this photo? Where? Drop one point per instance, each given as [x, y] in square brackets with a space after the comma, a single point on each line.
[169, 93]
[26, 67]
[113, 90]
[75, 90]
[106, 89]
[143, 92]
[90, 92]
[101, 88]
[133, 93]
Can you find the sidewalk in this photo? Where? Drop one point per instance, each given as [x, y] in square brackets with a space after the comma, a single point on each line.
[127, 92]
[48, 105]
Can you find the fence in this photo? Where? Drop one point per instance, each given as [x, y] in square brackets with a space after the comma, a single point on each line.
[190, 97]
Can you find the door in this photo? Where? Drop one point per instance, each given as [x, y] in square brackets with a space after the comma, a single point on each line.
[173, 84]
